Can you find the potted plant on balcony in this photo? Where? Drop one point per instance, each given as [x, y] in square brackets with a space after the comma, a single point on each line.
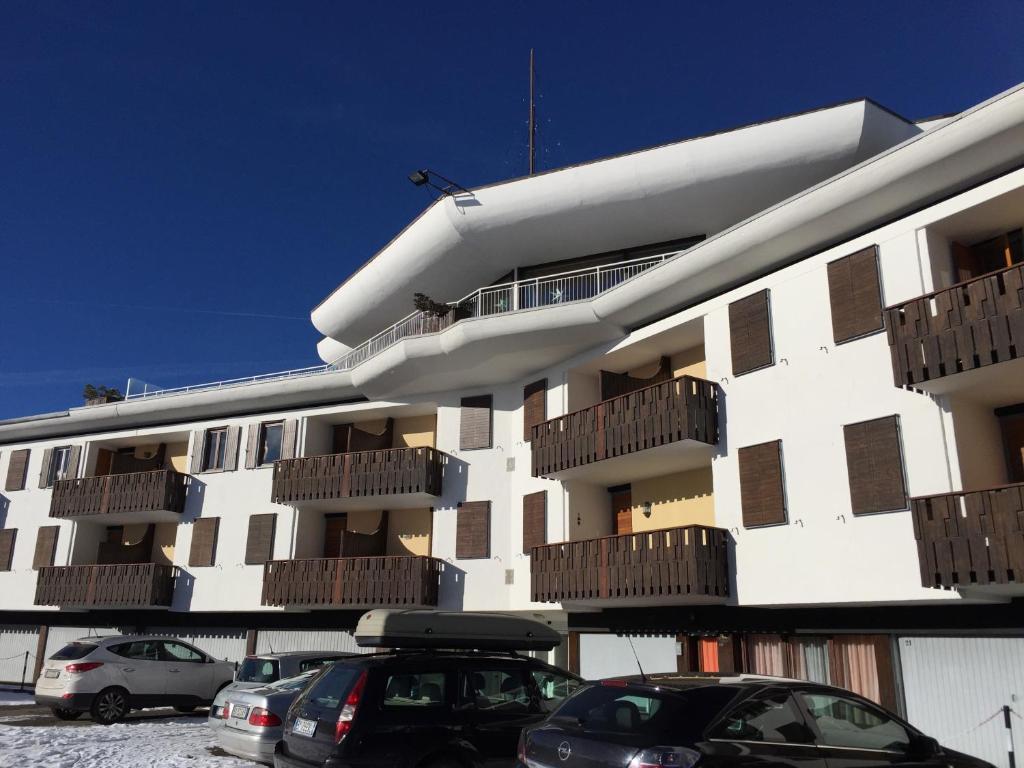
[100, 395]
[438, 309]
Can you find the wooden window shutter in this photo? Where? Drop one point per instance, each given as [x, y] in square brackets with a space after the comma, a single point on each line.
[198, 443]
[750, 333]
[473, 530]
[17, 469]
[234, 435]
[475, 424]
[252, 445]
[874, 461]
[44, 470]
[203, 552]
[289, 436]
[855, 294]
[46, 546]
[259, 547]
[7, 537]
[535, 515]
[534, 406]
[762, 496]
[74, 458]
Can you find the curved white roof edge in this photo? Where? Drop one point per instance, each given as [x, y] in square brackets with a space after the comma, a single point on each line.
[698, 186]
[331, 349]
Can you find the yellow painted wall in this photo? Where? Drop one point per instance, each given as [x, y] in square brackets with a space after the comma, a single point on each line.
[690, 363]
[164, 536]
[176, 456]
[408, 529]
[684, 498]
[415, 431]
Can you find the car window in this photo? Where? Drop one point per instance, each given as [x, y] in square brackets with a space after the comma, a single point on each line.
[180, 652]
[307, 664]
[256, 670]
[773, 718]
[330, 689]
[553, 688]
[141, 650]
[294, 683]
[424, 689]
[500, 690]
[73, 651]
[845, 722]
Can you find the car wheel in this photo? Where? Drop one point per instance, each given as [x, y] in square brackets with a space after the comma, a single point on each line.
[185, 708]
[109, 706]
[66, 714]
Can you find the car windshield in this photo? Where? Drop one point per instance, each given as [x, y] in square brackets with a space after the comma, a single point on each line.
[73, 651]
[293, 683]
[257, 670]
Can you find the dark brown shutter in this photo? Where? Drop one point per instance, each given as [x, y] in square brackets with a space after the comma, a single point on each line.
[855, 293]
[44, 470]
[46, 546]
[289, 433]
[762, 496]
[535, 508]
[198, 443]
[534, 406]
[74, 458]
[17, 470]
[874, 461]
[7, 537]
[203, 552]
[259, 547]
[475, 424]
[750, 333]
[473, 530]
[233, 435]
[252, 445]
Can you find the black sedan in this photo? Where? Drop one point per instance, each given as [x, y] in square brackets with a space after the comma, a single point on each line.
[676, 721]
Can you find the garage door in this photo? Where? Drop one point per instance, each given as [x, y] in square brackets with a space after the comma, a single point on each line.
[15, 642]
[276, 640]
[610, 655]
[953, 685]
[58, 637]
[227, 644]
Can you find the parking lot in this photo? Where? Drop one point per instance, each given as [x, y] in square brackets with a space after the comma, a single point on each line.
[156, 738]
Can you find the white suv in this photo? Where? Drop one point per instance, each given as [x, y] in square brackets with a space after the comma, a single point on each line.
[109, 676]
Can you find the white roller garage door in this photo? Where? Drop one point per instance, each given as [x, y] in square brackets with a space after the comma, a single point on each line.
[953, 685]
[227, 644]
[271, 640]
[15, 642]
[610, 655]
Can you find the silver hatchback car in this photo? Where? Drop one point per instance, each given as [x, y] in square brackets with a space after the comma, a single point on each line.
[262, 669]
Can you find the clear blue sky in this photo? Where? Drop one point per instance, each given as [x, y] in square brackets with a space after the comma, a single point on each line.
[184, 181]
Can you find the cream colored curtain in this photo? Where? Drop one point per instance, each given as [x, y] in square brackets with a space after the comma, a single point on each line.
[768, 655]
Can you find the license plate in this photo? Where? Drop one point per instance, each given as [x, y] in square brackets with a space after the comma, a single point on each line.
[52, 673]
[240, 710]
[304, 727]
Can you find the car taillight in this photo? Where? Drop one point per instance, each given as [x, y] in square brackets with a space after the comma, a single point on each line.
[85, 666]
[263, 718]
[348, 711]
[521, 748]
[665, 757]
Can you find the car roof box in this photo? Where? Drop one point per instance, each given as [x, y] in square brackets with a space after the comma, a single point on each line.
[454, 630]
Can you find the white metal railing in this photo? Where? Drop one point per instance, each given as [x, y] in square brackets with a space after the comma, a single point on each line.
[520, 295]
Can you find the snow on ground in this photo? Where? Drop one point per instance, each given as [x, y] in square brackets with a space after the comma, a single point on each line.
[162, 743]
[10, 697]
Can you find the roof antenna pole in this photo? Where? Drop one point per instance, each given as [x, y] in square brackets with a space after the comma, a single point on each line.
[533, 120]
[635, 656]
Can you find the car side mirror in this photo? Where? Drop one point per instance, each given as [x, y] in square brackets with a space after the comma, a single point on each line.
[922, 747]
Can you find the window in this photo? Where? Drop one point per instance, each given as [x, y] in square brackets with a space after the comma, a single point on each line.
[473, 530]
[58, 469]
[772, 718]
[73, 651]
[423, 689]
[307, 664]
[17, 467]
[855, 295]
[874, 462]
[475, 422]
[495, 691]
[270, 442]
[215, 448]
[331, 688]
[256, 670]
[750, 333]
[142, 650]
[762, 492]
[181, 652]
[552, 688]
[848, 723]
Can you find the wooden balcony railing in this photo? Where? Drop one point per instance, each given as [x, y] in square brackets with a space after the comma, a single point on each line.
[161, 490]
[970, 538]
[685, 408]
[366, 473]
[106, 586]
[371, 581]
[673, 562]
[970, 325]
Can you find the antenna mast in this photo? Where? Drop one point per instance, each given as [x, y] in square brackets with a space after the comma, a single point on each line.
[533, 120]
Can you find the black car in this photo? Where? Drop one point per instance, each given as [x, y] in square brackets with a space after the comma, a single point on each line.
[675, 721]
[420, 709]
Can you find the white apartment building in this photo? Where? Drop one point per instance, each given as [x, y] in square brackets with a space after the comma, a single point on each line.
[754, 399]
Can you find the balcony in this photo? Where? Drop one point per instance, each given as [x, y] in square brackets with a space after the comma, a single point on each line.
[964, 329]
[154, 496]
[399, 477]
[674, 565]
[668, 427]
[352, 581]
[142, 585]
[973, 538]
